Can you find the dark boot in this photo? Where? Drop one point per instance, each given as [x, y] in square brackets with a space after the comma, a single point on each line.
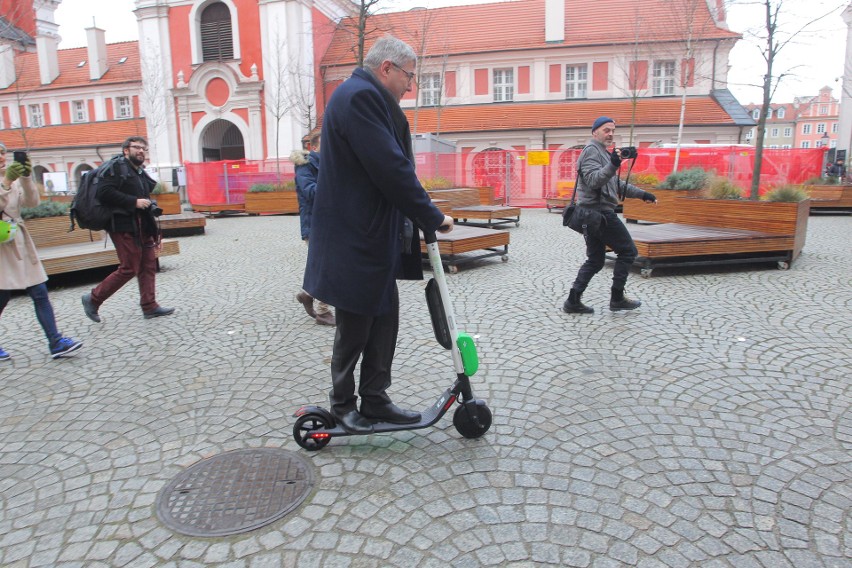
[573, 305]
[618, 301]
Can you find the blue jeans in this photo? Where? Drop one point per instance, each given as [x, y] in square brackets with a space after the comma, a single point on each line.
[616, 236]
[43, 310]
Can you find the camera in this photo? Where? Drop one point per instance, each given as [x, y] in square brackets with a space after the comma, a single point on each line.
[20, 156]
[628, 152]
[154, 209]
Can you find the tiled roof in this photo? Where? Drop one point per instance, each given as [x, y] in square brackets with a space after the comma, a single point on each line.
[13, 33]
[85, 134]
[519, 25]
[70, 75]
[700, 111]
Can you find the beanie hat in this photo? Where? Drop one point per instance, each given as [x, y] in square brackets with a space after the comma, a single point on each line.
[601, 121]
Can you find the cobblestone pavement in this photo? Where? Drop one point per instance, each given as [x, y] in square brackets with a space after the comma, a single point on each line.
[711, 427]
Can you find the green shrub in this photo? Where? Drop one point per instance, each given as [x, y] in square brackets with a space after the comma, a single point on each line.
[691, 179]
[787, 194]
[645, 179]
[289, 185]
[436, 183]
[816, 180]
[161, 187]
[45, 209]
[262, 188]
[722, 188]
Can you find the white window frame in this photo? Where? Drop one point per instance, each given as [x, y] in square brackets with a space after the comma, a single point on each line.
[788, 131]
[663, 82]
[832, 143]
[769, 113]
[429, 87]
[806, 144]
[780, 113]
[35, 115]
[823, 109]
[774, 133]
[123, 107]
[504, 84]
[806, 128]
[749, 134]
[834, 127]
[755, 114]
[79, 111]
[195, 29]
[820, 127]
[785, 146]
[577, 81]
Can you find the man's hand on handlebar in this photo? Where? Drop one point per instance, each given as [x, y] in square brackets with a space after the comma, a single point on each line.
[447, 225]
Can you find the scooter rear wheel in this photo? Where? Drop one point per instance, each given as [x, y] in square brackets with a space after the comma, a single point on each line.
[305, 426]
[467, 426]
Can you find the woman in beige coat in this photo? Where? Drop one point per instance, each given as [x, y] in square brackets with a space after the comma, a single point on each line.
[20, 267]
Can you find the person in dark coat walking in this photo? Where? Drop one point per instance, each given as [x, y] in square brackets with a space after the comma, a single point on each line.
[363, 237]
[307, 170]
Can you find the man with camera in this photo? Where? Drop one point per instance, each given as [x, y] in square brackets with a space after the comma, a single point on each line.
[599, 188]
[134, 232]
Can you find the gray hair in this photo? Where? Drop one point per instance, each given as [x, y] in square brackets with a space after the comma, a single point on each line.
[390, 49]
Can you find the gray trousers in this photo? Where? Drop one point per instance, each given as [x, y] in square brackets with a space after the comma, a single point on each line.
[372, 339]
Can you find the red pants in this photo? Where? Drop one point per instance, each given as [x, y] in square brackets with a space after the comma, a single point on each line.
[134, 260]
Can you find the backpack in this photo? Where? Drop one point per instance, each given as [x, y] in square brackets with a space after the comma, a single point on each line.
[86, 210]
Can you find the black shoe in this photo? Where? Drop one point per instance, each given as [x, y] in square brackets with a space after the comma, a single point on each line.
[160, 311]
[90, 309]
[573, 305]
[354, 423]
[390, 413]
[624, 304]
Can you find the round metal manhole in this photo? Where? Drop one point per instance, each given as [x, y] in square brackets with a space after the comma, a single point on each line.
[235, 492]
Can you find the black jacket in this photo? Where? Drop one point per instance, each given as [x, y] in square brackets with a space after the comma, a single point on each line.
[121, 194]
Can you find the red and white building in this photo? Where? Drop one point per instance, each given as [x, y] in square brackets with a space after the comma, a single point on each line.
[232, 79]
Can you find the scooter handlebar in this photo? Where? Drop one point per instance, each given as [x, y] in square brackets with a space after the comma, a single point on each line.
[432, 236]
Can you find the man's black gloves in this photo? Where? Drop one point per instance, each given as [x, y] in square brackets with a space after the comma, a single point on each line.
[615, 159]
[649, 197]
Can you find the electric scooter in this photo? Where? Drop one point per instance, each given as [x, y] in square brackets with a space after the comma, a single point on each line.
[316, 426]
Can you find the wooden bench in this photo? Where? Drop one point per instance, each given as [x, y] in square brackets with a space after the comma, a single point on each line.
[723, 232]
[62, 251]
[186, 223]
[556, 203]
[218, 209]
[455, 246]
[465, 206]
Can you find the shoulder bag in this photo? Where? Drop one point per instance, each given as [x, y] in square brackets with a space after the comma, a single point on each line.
[581, 219]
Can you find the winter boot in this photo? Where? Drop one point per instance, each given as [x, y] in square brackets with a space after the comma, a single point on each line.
[573, 305]
[618, 301]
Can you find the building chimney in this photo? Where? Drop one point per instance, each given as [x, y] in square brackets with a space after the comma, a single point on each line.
[7, 66]
[97, 53]
[48, 59]
[554, 20]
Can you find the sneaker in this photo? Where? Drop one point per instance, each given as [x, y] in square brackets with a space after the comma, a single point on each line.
[64, 346]
[3, 355]
[326, 319]
[90, 309]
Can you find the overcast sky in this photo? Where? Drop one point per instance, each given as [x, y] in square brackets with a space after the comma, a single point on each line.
[815, 59]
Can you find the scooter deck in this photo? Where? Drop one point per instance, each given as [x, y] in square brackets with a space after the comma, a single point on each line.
[428, 417]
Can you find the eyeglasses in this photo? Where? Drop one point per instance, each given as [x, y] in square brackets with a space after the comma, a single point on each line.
[408, 74]
[137, 147]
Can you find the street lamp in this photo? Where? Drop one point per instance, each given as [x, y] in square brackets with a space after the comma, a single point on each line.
[824, 144]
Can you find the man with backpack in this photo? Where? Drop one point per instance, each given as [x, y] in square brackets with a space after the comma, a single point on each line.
[126, 188]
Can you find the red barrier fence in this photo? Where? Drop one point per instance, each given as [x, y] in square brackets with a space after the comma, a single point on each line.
[522, 177]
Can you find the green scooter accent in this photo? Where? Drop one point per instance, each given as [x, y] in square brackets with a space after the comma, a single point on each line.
[467, 350]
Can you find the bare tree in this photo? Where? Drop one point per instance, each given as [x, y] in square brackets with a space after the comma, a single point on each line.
[275, 79]
[361, 28]
[636, 85]
[772, 39]
[154, 97]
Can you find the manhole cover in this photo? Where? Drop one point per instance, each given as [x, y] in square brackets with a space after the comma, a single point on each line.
[235, 492]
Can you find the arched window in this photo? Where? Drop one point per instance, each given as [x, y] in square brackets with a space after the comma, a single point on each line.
[217, 41]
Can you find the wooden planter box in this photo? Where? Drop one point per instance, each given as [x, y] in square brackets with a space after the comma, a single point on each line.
[277, 202]
[59, 198]
[830, 196]
[168, 202]
[661, 212]
[783, 219]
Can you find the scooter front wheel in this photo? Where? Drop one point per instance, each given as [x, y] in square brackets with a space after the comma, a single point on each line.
[465, 423]
[304, 431]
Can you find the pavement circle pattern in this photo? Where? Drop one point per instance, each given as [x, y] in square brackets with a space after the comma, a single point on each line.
[234, 492]
[709, 428]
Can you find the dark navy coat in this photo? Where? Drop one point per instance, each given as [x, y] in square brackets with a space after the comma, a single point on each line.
[366, 187]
